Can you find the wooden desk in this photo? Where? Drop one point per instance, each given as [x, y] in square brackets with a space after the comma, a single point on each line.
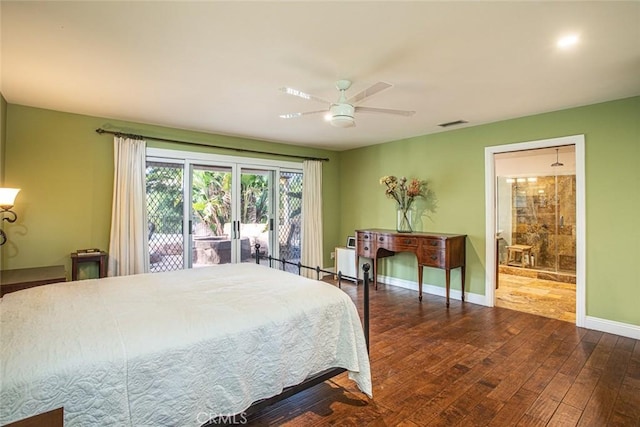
[437, 250]
[24, 278]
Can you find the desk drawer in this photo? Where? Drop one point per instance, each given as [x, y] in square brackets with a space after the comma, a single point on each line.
[365, 236]
[433, 258]
[366, 248]
[401, 243]
[433, 244]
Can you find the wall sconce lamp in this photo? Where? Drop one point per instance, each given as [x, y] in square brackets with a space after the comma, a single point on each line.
[7, 197]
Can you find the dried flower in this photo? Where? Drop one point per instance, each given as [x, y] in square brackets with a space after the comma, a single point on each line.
[404, 194]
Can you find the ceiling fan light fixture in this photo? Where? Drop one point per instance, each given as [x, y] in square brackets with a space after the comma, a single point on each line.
[342, 115]
[343, 121]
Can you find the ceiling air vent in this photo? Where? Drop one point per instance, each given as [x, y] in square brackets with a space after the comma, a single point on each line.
[454, 123]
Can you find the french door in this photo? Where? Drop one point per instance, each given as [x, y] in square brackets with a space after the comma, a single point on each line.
[233, 207]
[231, 211]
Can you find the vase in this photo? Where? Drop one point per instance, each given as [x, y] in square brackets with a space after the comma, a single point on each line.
[403, 220]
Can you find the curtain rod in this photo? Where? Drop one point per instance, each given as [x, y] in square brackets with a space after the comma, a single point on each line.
[199, 144]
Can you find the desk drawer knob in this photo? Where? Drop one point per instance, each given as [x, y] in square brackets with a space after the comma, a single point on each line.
[366, 248]
[407, 241]
[434, 257]
[433, 243]
[381, 239]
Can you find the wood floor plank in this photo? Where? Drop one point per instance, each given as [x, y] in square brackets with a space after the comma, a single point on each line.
[470, 365]
[599, 407]
[565, 415]
[582, 388]
[627, 404]
[542, 410]
[558, 387]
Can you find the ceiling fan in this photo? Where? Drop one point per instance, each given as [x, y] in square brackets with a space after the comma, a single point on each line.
[341, 113]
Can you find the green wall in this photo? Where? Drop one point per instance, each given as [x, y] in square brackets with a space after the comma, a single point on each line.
[453, 162]
[65, 170]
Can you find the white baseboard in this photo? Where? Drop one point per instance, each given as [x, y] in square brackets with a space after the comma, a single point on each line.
[613, 327]
[433, 290]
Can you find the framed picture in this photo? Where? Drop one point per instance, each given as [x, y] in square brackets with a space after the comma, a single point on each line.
[351, 242]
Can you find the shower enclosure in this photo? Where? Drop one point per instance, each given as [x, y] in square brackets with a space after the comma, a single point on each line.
[537, 212]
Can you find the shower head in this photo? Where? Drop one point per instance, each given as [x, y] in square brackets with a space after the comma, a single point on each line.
[557, 163]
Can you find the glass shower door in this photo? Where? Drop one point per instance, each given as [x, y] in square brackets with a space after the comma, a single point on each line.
[539, 214]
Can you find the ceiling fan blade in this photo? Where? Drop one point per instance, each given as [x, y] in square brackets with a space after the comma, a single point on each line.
[295, 115]
[303, 95]
[370, 91]
[385, 111]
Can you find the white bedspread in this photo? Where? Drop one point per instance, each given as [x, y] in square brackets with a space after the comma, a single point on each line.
[171, 349]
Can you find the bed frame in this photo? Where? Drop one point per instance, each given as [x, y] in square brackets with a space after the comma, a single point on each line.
[324, 375]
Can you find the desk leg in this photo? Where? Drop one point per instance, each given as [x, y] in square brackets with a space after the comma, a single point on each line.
[448, 274]
[420, 282]
[374, 268]
[462, 281]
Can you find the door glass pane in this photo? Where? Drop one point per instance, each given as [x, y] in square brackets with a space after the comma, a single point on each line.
[539, 213]
[566, 224]
[255, 212]
[290, 221]
[165, 213]
[211, 215]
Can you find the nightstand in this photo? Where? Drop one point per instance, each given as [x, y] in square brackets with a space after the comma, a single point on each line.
[98, 257]
[24, 278]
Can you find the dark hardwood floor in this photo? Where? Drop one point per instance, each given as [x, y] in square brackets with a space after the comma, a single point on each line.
[471, 365]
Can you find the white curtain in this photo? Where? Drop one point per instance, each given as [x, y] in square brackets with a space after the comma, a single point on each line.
[312, 216]
[129, 242]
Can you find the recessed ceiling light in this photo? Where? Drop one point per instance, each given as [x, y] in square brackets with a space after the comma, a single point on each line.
[568, 41]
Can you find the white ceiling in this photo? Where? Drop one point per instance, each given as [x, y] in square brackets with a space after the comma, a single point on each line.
[218, 66]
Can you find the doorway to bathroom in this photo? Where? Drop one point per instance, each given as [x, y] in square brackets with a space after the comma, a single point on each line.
[537, 226]
[536, 231]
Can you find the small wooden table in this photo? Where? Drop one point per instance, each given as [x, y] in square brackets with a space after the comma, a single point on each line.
[99, 257]
[24, 278]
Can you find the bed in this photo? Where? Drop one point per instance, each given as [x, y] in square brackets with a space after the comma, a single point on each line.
[174, 348]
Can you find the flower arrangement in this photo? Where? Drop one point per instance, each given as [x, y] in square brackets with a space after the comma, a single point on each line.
[404, 193]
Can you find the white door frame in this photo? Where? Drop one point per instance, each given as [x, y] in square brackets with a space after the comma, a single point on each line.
[490, 212]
